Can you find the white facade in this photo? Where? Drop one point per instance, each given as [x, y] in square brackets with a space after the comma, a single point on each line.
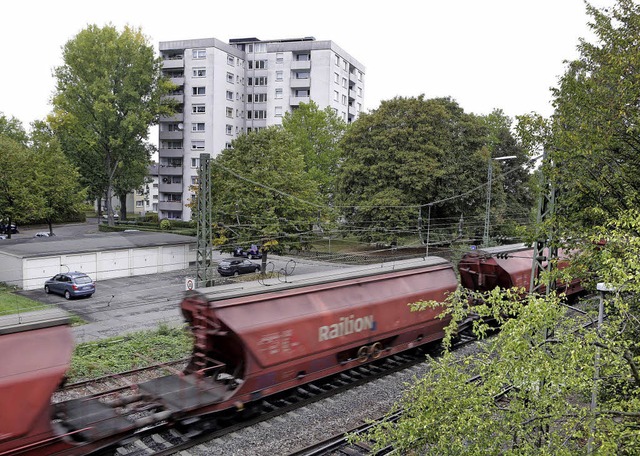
[145, 199]
[225, 90]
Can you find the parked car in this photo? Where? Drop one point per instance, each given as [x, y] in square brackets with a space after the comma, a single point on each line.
[5, 228]
[237, 266]
[70, 285]
[252, 253]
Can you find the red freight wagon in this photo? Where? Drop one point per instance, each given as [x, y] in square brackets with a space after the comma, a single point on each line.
[35, 350]
[261, 339]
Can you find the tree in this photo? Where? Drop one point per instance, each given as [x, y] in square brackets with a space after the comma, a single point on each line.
[18, 188]
[13, 129]
[411, 152]
[57, 179]
[261, 193]
[596, 123]
[108, 92]
[317, 133]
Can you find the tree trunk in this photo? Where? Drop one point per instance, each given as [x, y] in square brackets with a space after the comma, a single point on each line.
[123, 207]
[108, 206]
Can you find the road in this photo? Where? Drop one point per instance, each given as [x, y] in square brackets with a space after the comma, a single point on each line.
[136, 303]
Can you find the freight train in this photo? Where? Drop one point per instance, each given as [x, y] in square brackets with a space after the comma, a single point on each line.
[251, 341]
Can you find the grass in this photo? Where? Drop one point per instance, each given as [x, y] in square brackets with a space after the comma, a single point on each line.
[132, 351]
[11, 303]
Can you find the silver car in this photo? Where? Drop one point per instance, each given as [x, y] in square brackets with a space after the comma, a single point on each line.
[70, 285]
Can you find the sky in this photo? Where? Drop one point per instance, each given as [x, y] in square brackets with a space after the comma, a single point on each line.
[485, 54]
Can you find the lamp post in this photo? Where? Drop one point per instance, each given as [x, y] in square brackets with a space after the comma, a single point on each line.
[485, 237]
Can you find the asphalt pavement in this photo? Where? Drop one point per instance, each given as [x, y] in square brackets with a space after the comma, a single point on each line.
[144, 302]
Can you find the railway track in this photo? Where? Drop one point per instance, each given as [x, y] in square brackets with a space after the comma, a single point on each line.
[163, 440]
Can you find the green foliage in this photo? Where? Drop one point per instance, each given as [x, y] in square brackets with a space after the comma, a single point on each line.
[165, 224]
[11, 303]
[316, 134]
[13, 129]
[119, 354]
[108, 92]
[596, 124]
[261, 193]
[412, 151]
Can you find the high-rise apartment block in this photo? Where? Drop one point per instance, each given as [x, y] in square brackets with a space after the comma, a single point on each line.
[228, 89]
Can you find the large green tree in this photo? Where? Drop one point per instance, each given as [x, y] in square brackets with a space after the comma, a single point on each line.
[58, 181]
[316, 134]
[596, 123]
[412, 151]
[261, 193]
[108, 92]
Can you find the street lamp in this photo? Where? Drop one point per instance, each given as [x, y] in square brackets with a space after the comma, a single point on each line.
[485, 237]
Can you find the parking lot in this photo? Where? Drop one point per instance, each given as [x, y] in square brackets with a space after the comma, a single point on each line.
[141, 302]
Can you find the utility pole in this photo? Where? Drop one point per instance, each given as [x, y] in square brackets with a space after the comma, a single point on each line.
[487, 217]
[204, 273]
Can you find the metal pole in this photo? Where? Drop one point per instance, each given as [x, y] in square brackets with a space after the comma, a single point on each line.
[485, 236]
[428, 228]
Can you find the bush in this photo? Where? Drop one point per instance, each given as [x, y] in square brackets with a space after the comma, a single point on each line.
[165, 225]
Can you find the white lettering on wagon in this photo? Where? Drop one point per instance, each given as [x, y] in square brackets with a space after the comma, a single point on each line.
[346, 325]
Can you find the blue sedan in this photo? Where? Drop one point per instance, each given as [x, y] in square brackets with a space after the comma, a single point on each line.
[70, 285]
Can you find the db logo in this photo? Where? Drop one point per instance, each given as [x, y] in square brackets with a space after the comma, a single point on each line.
[189, 284]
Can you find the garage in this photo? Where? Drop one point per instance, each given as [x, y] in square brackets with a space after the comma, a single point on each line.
[29, 262]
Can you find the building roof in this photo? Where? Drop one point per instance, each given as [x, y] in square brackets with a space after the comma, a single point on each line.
[38, 247]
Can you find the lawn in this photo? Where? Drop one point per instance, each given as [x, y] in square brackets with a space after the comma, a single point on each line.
[11, 303]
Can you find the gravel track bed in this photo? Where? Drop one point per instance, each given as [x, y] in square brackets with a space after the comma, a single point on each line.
[314, 423]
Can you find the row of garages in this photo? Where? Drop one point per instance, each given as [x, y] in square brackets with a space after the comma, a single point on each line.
[28, 263]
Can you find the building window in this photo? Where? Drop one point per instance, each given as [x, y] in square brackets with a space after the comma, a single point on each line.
[344, 82]
[197, 126]
[194, 180]
[302, 75]
[197, 145]
[198, 109]
[230, 60]
[230, 78]
[257, 98]
[302, 93]
[199, 53]
[303, 57]
[359, 107]
[279, 75]
[257, 64]
[171, 144]
[259, 81]
[346, 65]
[359, 75]
[227, 145]
[278, 111]
[344, 99]
[278, 93]
[259, 114]
[229, 95]
[359, 91]
[337, 59]
[336, 95]
[170, 127]
[229, 129]
[140, 203]
[279, 57]
[199, 72]
[195, 162]
[336, 78]
[198, 91]
[260, 47]
[229, 112]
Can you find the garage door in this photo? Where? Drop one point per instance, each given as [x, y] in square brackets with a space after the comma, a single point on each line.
[113, 264]
[37, 270]
[85, 262]
[145, 261]
[173, 258]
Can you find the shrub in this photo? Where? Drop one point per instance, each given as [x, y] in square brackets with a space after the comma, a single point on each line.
[165, 225]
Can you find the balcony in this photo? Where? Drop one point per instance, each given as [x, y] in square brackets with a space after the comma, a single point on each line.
[179, 134]
[352, 94]
[301, 65]
[300, 83]
[168, 170]
[295, 101]
[178, 98]
[170, 205]
[177, 117]
[170, 153]
[167, 187]
[173, 63]
[352, 77]
[178, 80]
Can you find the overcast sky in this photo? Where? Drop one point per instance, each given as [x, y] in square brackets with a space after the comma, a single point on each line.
[485, 54]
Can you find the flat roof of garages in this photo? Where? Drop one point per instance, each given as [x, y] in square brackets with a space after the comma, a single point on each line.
[36, 247]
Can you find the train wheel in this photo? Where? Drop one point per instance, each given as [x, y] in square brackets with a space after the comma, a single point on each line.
[375, 350]
[363, 353]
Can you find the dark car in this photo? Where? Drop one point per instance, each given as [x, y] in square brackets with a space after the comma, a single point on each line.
[253, 252]
[236, 266]
[6, 228]
[70, 285]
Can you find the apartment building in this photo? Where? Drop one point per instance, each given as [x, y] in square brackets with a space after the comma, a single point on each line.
[145, 199]
[228, 89]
